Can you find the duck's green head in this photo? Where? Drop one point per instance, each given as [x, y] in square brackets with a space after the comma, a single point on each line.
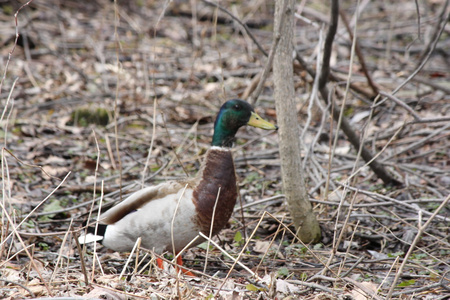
[233, 115]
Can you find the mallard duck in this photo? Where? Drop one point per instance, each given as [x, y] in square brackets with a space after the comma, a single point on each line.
[170, 215]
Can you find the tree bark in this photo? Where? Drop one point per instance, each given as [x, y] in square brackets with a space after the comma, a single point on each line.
[294, 186]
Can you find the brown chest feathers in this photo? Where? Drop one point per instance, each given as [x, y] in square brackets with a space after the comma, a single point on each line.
[218, 183]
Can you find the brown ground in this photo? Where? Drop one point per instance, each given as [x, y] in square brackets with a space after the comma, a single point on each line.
[167, 68]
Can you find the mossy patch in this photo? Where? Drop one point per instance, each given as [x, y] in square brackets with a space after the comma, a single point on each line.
[86, 116]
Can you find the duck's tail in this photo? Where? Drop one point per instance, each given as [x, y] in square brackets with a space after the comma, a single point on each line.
[93, 234]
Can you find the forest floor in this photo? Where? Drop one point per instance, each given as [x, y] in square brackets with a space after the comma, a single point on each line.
[166, 67]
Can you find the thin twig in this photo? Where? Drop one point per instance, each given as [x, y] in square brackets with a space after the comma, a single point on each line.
[359, 53]
[211, 229]
[418, 18]
[276, 40]
[60, 255]
[419, 143]
[247, 30]
[235, 260]
[19, 284]
[363, 288]
[432, 84]
[81, 253]
[328, 45]
[419, 289]
[34, 209]
[434, 36]
[399, 202]
[314, 286]
[116, 97]
[22, 243]
[402, 104]
[10, 53]
[172, 222]
[440, 26]
[150, 148]
[136, 246]
[173, 148]
[30, 165]
[419, 234]
[124, 189]
[253, 99]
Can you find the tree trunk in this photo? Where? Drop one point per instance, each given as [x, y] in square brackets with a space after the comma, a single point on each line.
[304, 219]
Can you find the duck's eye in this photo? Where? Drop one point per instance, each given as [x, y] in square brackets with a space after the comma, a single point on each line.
[237, 107]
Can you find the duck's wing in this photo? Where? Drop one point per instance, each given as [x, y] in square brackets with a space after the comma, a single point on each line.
[139, 199]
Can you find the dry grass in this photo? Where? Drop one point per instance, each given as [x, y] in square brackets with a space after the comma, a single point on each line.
[166, 68]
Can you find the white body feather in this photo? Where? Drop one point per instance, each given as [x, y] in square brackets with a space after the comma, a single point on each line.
[152, 222]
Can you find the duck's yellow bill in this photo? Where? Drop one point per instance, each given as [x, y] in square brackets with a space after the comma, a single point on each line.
[257, 121]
